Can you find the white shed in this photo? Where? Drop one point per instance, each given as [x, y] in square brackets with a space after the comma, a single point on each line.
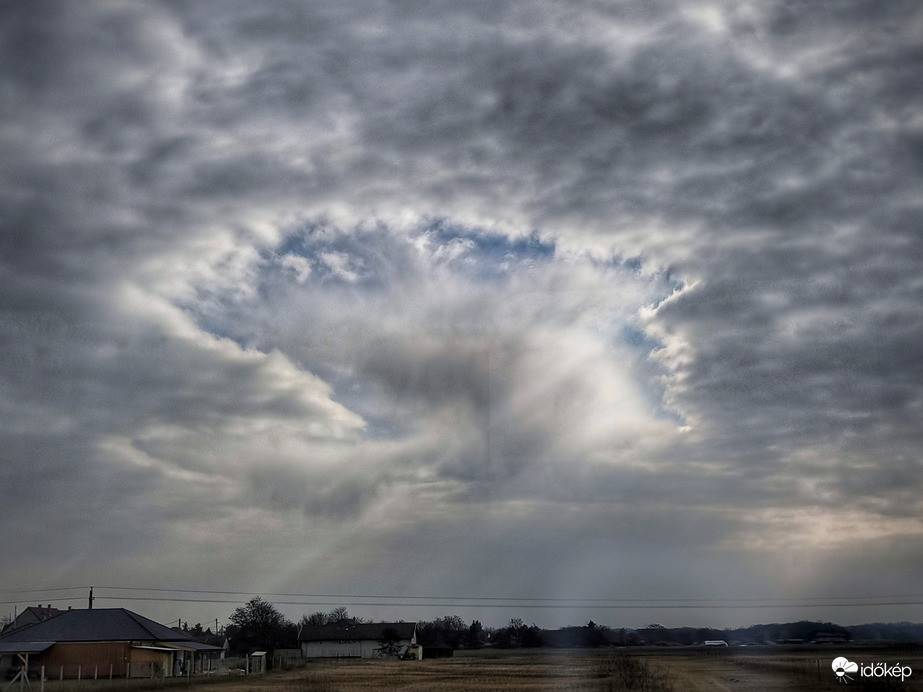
[359, 640]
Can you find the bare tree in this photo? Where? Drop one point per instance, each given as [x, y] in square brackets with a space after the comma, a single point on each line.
[259, 625]
[314, 619]
[338, 614]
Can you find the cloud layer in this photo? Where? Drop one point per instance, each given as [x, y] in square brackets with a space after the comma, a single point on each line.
[596, 289]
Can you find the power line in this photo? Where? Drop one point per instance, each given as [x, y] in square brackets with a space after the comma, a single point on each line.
[54, 588]
[67, 599]
[500, 602]
[514, 599]
[639, 605]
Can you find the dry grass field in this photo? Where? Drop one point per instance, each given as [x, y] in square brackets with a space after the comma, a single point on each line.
[694, 671]
[682, 670]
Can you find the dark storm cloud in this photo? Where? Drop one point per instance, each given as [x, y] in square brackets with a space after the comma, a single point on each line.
[311, 261]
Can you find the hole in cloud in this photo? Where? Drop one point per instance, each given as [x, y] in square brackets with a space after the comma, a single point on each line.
[488, 354]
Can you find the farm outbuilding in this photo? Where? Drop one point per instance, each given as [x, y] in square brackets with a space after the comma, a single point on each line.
[256, 662]
[103, 643]
[360, 640]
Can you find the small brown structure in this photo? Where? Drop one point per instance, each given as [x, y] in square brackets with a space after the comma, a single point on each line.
[102, 643]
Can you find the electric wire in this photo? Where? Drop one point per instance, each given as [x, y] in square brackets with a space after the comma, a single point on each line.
[543, 606]
[522, 599]
[153, 594]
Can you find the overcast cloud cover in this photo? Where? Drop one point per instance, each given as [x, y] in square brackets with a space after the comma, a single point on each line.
[494, 299]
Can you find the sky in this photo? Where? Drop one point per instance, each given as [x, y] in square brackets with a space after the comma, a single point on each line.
[558, 311]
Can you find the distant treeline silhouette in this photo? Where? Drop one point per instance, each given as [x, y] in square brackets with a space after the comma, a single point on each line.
[454, 632]
[258, 624]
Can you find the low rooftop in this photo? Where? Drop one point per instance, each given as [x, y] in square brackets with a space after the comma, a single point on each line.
[101, 624]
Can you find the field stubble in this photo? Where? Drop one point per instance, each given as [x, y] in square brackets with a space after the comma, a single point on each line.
[686, 670]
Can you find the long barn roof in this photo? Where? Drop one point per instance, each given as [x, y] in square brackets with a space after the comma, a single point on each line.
[101, 624]
[355, 631]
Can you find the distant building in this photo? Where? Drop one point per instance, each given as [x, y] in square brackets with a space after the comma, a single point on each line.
[102, 643]
[831, 638]
[218, 641]
[256, 662]
[30, 616]
[359, 640]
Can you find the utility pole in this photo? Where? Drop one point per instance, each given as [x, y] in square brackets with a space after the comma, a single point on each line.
[91, 598]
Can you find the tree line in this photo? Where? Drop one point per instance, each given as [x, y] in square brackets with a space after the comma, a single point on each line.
[258, 625]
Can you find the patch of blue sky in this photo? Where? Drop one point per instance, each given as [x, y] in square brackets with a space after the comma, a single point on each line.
[364, 258]
[482, 255]
[635, 265]
[208, 310]
[304, 240]
[638, 339]
[371, 257]
[221, 328]
[627, 340]
[377, 425]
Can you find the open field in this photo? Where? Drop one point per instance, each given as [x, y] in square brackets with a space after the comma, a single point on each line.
[753, 669]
